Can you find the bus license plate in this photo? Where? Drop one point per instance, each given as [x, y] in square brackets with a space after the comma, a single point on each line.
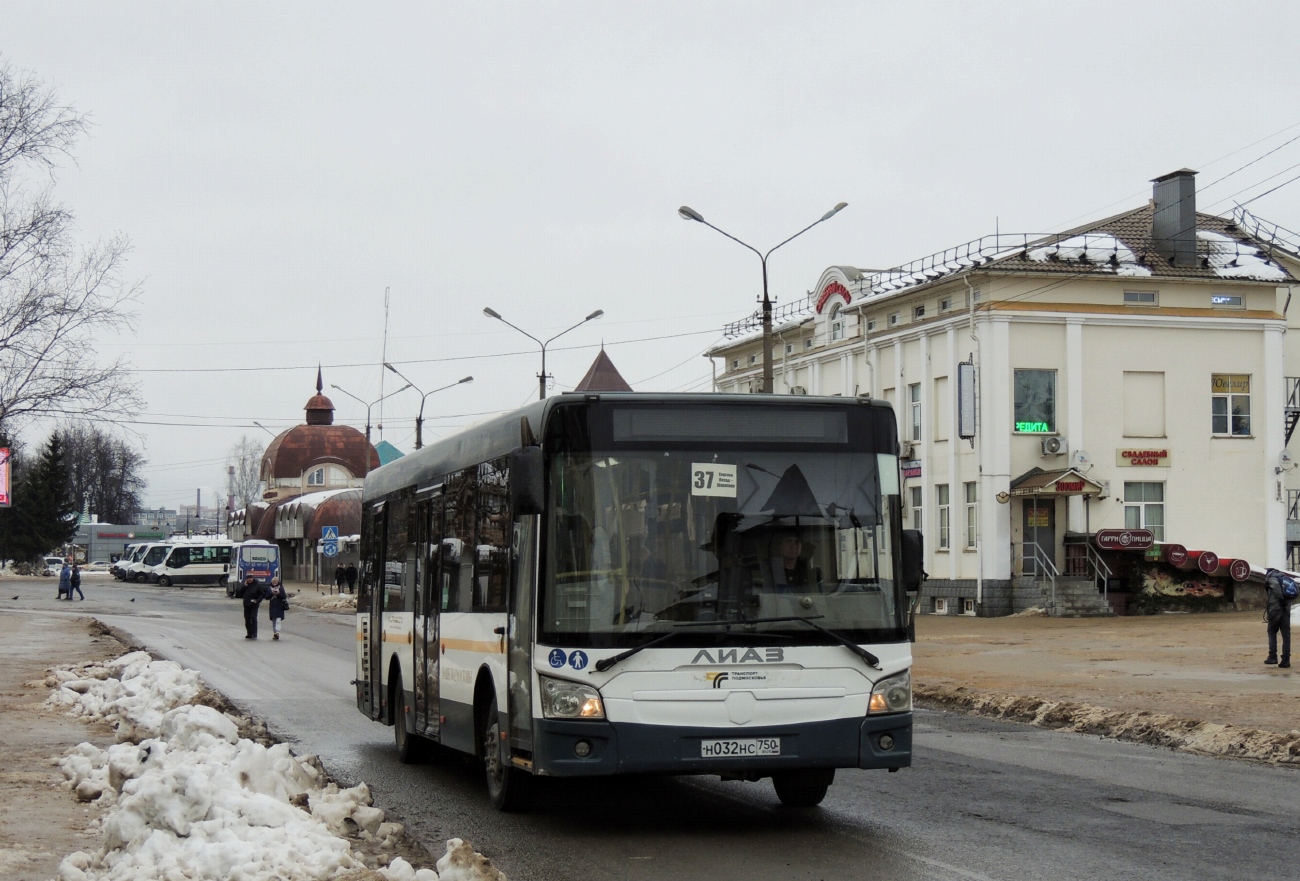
[743, 748]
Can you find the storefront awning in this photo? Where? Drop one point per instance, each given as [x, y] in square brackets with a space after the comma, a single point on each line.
[1065, 482]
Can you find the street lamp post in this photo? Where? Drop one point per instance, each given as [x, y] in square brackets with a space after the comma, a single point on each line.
[368, 406]
[687, 213]
[541, 378]
[419, 420]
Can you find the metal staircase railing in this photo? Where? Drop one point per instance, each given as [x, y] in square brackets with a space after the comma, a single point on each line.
[1043, 568]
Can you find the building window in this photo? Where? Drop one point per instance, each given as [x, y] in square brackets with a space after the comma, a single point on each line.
[1035, 401]
[753, 359]
[972, 516]
[316, 478]
[893, 319]
[917, 517]
[941, 500]
[789, 348]
[1227, 301]
[918, 312]
[976, 293]
[914, 398]
[808, 343]
[941, 605]
[945, 304]
[837, 324]
[968, 607]
[1230, 404]
[871, 325]
[1144, 507]
[1140, 298]
[735, 363]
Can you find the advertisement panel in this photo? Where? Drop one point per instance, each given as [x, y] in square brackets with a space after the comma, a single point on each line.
[4, 477]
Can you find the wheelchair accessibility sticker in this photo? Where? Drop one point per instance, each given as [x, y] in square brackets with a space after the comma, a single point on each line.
[557, 658]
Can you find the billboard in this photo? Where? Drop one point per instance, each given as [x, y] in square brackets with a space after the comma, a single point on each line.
[4, 477]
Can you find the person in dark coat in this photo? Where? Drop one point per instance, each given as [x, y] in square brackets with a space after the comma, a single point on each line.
[1277, 612]
[340, 577]
[352, 577]
[279, 605]
[74, 582]
[253, 595]
[65, 582]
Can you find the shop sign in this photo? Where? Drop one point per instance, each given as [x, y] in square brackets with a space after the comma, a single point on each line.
[911, 469]
[1124, 539]
[831, 290]
[1068, 486]
[1176, 554]
[1158, 457]
[1239, 570]
[1208, 562]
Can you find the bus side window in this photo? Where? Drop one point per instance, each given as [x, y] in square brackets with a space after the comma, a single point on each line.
[458, 541]
[492, 560]
[395, 542]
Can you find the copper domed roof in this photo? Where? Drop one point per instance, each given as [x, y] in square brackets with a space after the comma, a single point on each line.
[303, 446]
[320, 409]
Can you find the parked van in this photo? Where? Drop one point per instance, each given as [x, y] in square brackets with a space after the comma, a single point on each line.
[255, 557]
[194, 564]
[53, 565]
[130, 554]
[150, 555]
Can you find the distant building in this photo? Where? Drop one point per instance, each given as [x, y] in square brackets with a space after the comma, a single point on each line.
[1129, 374]
[313, 475]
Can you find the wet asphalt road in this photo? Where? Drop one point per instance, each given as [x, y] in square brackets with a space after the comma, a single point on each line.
[984, 800]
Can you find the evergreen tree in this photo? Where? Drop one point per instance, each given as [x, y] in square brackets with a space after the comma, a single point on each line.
[43, 516]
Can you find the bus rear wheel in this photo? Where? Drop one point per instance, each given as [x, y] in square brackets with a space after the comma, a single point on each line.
[803, 789]
[408, 745]
[507, 786]
[164, 581]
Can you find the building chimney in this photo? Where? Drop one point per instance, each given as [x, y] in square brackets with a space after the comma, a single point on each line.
[1173, 225]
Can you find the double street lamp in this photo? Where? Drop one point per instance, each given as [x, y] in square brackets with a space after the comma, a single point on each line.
[368, 406]
[419, 420]
[687, 213]
[541, 377]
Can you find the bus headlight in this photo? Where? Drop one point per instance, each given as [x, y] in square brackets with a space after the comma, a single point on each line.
[892, 695]
[562, 699]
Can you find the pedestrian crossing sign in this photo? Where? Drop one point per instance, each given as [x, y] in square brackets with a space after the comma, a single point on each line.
[329, 533]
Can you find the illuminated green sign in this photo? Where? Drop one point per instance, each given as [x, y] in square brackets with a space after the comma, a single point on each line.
[1033, 427]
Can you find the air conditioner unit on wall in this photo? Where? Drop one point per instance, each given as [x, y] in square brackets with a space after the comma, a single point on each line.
[905, 449]
[798, 390]
[1055, 446]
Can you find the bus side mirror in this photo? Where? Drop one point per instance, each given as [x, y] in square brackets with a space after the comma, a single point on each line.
[526, 491]
[913, 560]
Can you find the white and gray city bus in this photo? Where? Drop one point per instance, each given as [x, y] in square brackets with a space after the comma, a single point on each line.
[604, 584]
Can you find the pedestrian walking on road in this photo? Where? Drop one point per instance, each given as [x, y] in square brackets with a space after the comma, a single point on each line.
[340, 577]
[1279, 589]
[352, 577]
[252, 593]
[279, 605]
[74, 582]
[65, 582]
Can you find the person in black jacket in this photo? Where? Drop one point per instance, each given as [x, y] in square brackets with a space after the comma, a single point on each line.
[1278, 615]
[253, 594]
[279, 605]
[351, 574]
[74, 582]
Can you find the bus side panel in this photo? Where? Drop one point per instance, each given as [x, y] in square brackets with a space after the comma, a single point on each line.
[397, 645]
[468, 644]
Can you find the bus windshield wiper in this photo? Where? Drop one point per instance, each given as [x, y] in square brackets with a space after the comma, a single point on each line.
[602, 665]
[809, 620]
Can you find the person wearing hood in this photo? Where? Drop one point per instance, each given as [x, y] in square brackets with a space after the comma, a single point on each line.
[279, 605]
[65, 581]
[253, 593]
[1277, 612]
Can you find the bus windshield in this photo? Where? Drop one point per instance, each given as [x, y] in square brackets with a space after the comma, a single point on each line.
[643, 541]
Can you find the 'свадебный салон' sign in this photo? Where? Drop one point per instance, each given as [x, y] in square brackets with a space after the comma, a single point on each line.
[1153, 456]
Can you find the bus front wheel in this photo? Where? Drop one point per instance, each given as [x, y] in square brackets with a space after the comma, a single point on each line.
[507, 786]
[164, 581]
[803, 789]
[408, 744]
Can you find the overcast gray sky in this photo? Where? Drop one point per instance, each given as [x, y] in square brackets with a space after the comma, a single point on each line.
[277, 166]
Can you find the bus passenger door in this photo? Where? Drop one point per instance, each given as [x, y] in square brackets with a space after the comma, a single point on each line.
[370, 597]
[429, 519]
[522, 595]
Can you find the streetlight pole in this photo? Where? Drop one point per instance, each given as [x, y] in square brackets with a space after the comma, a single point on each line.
[687, 213]
[419, 420]
[368, 406]
[541, 378]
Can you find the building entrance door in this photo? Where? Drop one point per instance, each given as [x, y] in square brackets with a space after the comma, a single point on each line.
[1039, 529]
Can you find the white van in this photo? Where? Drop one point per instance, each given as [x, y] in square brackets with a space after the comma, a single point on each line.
[130, 554]
[151, 555]
[194, 564]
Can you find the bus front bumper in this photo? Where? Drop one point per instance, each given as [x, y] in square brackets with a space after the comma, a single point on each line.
[633, 748]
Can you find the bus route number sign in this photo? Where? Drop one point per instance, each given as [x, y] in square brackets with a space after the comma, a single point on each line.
[712, 479]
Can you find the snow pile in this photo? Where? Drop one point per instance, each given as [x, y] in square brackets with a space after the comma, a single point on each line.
[187, 798]
[1232, 259]
[1101, 249]
[1160, 729]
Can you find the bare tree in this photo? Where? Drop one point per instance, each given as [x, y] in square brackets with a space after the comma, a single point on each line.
[104, 473]
[55, 294]
[245, 483]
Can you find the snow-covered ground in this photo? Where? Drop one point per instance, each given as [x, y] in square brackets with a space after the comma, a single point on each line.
[186, 798]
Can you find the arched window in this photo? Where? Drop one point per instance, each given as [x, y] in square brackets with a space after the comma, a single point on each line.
[316, 478]
[837, 323]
